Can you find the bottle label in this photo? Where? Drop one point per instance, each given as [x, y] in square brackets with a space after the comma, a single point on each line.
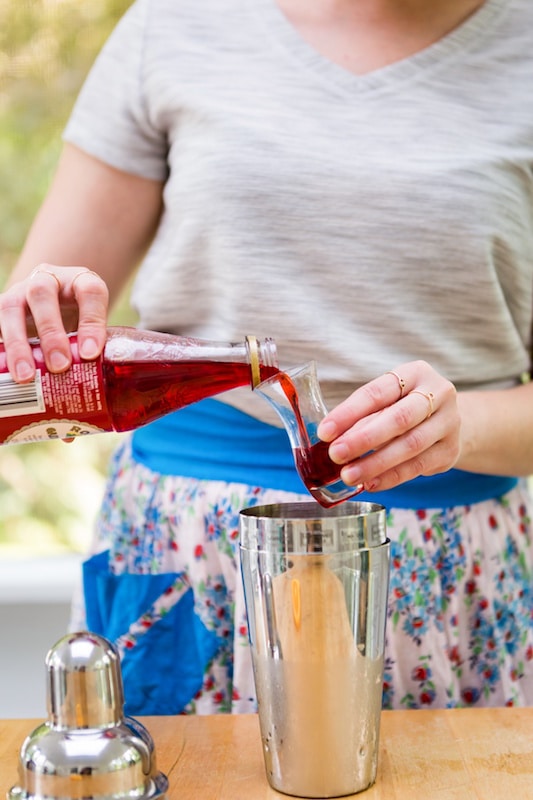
[53, 406]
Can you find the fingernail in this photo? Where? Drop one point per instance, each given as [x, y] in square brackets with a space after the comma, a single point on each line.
[351, 476]
[338, 452]
[23, 371]
[58, 361]
[88, 348]
[327, 431]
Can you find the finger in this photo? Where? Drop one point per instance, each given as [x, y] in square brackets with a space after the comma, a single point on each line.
[368, 399]
[371, 433]
[19, 357]
[438, 458]
[92, 296]
[381, 459]
[43, 288]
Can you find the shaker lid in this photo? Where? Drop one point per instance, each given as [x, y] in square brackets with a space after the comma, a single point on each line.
[87, 749]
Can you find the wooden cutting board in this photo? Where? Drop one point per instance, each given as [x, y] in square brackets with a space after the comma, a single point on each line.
[467, 754]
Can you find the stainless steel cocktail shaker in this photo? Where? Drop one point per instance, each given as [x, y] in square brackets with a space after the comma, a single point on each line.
[316, 586]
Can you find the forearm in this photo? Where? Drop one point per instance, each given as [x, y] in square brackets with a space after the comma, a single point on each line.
[93, 216]
[497, 431]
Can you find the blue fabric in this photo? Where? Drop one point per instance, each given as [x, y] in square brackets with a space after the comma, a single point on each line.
[165, 668]
[210, 440]
[213, 441]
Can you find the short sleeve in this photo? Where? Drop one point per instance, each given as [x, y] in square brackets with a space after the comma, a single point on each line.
[110, 119]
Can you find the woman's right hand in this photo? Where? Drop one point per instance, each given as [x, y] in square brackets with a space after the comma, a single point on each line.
[50, 302]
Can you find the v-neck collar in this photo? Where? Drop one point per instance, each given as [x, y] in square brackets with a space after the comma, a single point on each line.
[459, 39]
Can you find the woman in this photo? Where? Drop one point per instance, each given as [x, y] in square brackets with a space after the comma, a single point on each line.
[354, 179]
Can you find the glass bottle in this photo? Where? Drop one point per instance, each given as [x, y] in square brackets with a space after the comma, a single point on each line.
[141, 375]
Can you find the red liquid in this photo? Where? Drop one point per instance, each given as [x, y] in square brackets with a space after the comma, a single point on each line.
[315, 466]
[138, 392]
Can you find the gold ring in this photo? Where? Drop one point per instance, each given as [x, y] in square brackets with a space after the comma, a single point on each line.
[79, 274]
[401, 382]
[429, 397]
[37, 270]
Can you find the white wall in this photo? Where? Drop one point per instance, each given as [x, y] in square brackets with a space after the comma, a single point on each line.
[35, 598]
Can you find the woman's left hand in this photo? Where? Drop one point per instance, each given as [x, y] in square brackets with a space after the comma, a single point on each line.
[398, 426]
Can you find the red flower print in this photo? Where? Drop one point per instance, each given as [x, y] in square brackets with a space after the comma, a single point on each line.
[421, 513]
[243, 630]
[493, 522]
[529, 653]
[419, 674]
[426, 698]
[453, 655]
[470, 587]
[198, 551]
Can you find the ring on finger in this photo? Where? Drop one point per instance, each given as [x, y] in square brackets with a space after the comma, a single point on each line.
[429, 397]
[401, 382]
[83, 272]
[39, 270]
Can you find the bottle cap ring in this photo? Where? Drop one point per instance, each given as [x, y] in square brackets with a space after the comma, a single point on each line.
[253, 349]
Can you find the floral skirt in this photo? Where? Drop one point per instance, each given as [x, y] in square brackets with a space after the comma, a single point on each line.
[165, 586]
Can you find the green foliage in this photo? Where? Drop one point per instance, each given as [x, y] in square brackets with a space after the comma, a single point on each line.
[46, 49]
[50, 492]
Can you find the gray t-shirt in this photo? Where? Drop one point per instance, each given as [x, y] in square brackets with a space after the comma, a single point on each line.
[361, 221]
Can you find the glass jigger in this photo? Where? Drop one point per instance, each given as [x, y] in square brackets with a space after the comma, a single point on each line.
[295, 395]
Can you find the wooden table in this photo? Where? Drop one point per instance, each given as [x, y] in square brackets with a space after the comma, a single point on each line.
[470, 754]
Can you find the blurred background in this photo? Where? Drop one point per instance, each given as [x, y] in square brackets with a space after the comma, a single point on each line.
[49, 492]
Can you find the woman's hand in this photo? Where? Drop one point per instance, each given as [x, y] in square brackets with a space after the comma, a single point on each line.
[48, 303]
[403, 424]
